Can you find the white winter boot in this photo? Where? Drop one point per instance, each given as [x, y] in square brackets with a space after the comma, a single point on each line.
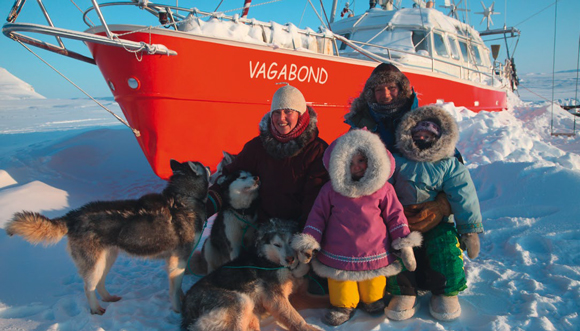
[402, 307]
[444, 308]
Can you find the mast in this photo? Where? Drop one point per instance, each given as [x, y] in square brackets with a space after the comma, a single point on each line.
[333, 10]
[246, 8]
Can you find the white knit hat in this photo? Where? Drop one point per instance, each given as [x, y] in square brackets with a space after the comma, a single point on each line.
[288, 97]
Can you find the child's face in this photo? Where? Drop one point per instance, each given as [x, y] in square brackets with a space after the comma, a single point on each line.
[358, 166]
[424, 135]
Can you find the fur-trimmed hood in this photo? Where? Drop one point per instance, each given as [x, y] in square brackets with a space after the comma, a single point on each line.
[381, 75]
[444, 147]
[281, 150]
[339, 154]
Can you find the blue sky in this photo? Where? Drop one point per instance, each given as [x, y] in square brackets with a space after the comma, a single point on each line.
[534, 18]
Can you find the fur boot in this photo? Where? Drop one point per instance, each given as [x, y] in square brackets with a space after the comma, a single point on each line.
[402, 307]
[444, 308]
[373, 307]
[338, 315]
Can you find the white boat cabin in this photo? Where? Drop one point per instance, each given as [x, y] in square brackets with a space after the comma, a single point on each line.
[418, 37]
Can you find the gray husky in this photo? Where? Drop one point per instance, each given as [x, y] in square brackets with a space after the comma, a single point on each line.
[234, 226]
[161, 226]
[260, 280]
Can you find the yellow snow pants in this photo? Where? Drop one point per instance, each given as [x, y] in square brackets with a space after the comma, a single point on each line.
[348, 293]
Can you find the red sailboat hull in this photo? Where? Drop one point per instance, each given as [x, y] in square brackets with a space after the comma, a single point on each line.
[212, 95]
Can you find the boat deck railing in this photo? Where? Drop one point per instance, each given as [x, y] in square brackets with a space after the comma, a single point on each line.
[176, 17]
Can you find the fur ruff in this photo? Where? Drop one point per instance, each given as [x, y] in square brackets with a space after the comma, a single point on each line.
[414, 239]
[357, 276]
[302, 242]
[367, 96]
[379, 166]
[281, 150]
[443, 148]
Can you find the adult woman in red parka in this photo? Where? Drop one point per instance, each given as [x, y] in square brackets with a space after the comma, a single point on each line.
[286, 155]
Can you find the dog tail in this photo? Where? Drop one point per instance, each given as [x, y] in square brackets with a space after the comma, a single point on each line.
[36, 228]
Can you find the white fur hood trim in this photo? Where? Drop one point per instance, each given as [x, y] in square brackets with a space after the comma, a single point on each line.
[443, 148]
[337, 159]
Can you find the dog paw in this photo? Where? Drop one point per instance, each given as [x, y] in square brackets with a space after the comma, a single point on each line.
[98, 311]
[112, 298]
[312, 327]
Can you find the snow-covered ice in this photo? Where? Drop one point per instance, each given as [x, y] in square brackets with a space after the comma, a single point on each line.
[56, 155]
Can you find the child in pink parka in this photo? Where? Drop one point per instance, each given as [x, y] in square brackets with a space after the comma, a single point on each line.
[356, 226]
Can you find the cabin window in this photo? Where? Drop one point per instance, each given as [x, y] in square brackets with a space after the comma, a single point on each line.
[439, 44]
[478, 58]
[342, 44]
[454, 48]
[420, 41]
[465, 51]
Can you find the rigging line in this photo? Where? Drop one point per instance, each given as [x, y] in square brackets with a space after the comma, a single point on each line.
[324, 12]
[534, 93]
[218, 6]
[303, 12]
[135, 131]
[576, 94]
[555, 2]
[316, 12]
[554, 63]
[577, 70]
[73, 2]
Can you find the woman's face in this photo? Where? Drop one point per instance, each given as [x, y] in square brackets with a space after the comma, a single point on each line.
[387, 93]
[285, 120]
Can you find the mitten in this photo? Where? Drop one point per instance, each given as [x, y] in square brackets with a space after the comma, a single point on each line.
[470, 242]
[408, 258]
[305, 246]
[425, 216]
[405, 245]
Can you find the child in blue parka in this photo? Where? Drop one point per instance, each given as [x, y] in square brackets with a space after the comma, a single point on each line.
[426, 139]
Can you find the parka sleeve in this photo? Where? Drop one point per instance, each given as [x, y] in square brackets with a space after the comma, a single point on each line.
[393, 214]
[462, 196]
[319, 214]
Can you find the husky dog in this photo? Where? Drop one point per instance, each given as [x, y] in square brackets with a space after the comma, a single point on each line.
[227, 159]
[234, 225]
[256, 282]
[157, 225]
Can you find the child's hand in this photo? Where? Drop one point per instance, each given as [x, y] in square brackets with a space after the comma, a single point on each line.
[408, 258]
[470, 242]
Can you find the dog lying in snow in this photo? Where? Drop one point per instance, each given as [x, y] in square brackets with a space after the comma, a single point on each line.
[163, 226]
[260, 280]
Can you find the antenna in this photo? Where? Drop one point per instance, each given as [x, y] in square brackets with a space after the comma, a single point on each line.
[454, 8]
[487, 12]
[419, 3]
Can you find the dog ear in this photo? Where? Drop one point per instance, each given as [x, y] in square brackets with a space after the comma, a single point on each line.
[195, 167]
[175, 165]
[221, 179]
[228, 158]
